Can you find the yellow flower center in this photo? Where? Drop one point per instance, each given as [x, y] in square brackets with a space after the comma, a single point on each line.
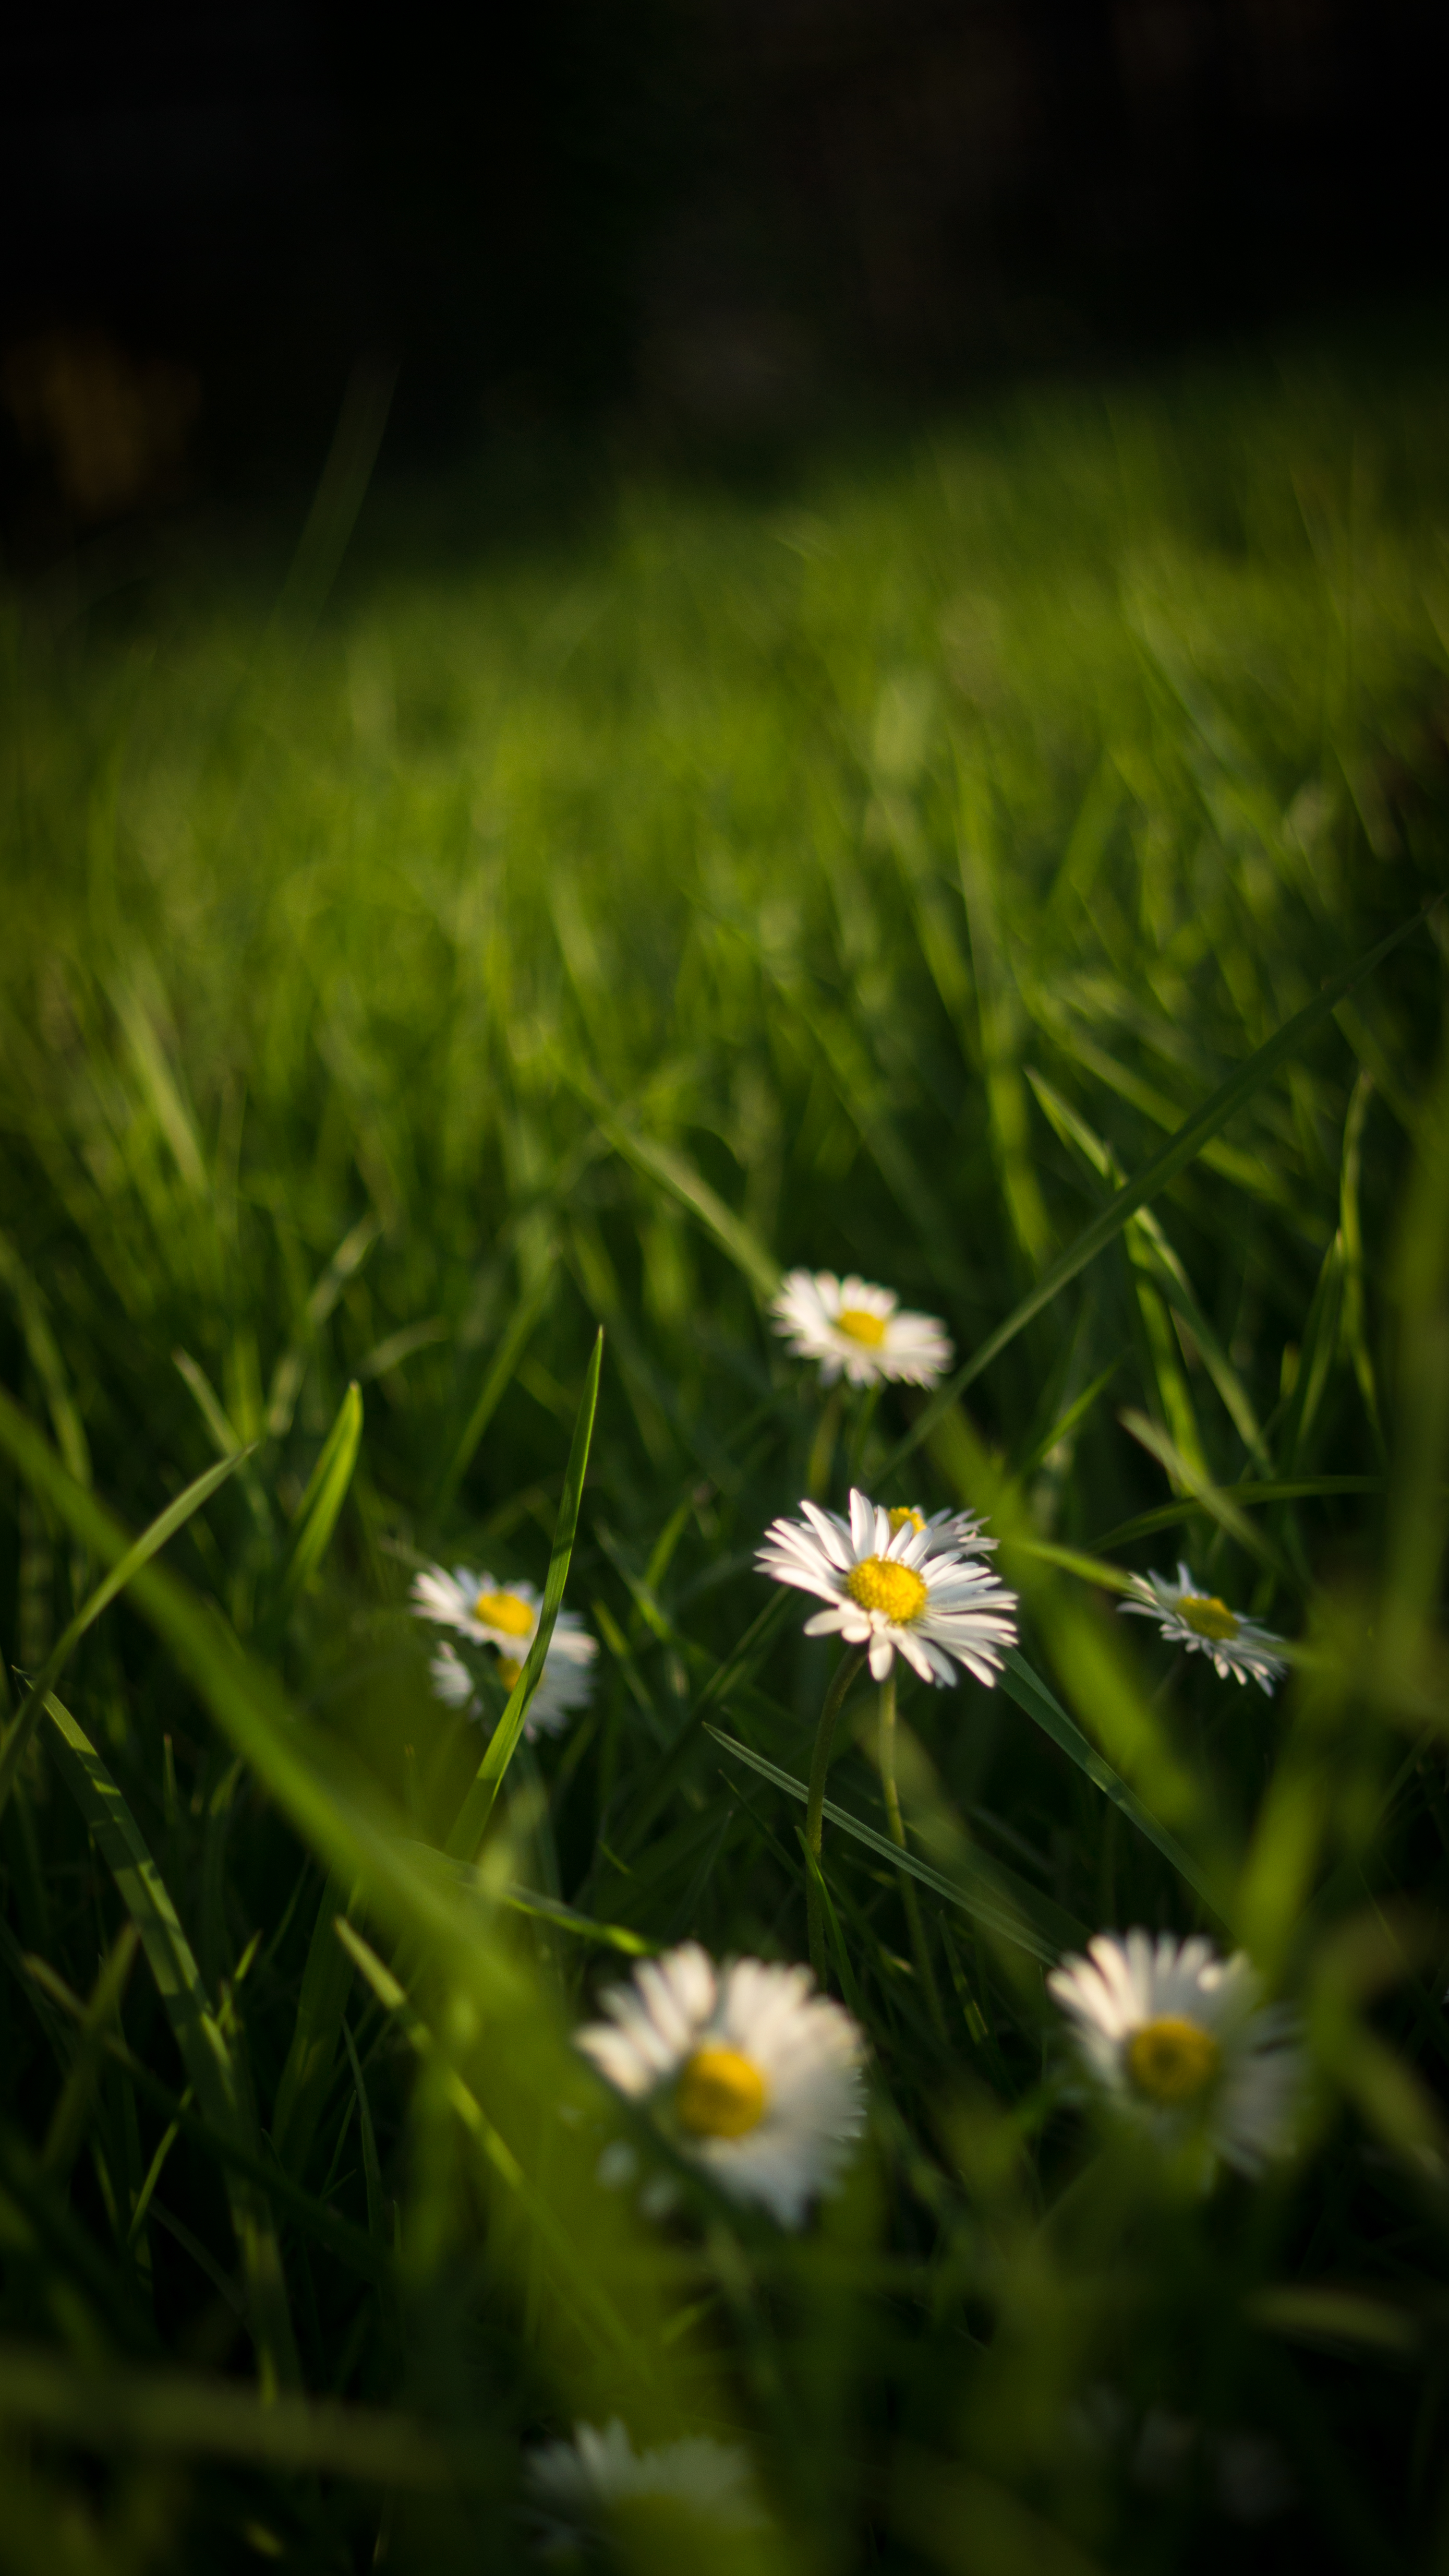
[1207, 1616]
[861, 1326]
[720, 2094]
[1171, 2060]
[504, 1610]
[508, 1672]
[878, 1583]
[904, 1516]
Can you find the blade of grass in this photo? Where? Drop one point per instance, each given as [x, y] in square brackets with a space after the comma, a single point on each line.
[994, 1905]
[72, 2112]
[164, 1527]
[336, 2235]
[325, 1495]
[1031, 1693]
[1299, 1489]
[307, 2074]
[181, 2412]
[472, 1821]
[1181, 1150]
[215, 2076]
[495, 1384]
[1208, 1496]
[673, 1171]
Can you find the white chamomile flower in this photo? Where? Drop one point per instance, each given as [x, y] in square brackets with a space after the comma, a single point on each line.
[849, 1325]
[753, 2075]
[505, 1617]
[579, 2488]
[1180, 2041]
[896, 1584]
[1198, 1620]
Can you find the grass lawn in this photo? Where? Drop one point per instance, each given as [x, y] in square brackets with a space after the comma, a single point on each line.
[973, 866]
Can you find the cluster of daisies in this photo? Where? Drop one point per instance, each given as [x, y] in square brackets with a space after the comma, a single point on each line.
[746, 2072]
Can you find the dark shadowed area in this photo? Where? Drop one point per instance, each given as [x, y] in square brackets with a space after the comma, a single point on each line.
[704, 226]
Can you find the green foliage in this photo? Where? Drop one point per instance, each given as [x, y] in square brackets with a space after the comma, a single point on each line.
[430, 1028]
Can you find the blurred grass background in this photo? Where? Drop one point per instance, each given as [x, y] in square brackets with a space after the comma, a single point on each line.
[422, 959]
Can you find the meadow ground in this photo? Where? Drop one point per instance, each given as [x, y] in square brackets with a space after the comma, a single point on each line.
[976, 868]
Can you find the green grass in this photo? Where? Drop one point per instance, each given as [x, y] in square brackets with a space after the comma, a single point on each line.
[399, 987]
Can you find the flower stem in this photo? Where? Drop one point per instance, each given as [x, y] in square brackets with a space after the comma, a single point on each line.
[915, 1925]
[822, 1448]
[860, 1433]
[844, 1675]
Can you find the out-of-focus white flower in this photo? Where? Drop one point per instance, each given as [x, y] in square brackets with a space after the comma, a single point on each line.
[578, 2488]
[752, 2075]
[1198, 1620]
[853, 1327]
[1179, 2040]
[895, 1584]
[504, 1616]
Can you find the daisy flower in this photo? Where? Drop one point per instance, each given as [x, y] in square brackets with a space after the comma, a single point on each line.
[576, 2487]
[1180, 2041]
[849, 1325]
[1188, 1616]
[565, 1684]
[894, 1583]
[754, 2076]
[505, 1617]
[963, 1530]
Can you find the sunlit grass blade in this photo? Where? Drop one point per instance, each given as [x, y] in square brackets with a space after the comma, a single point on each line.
[547, 1909]
[592, 2307]
[1002, 1904]
[672, 1171]
[472, 1821]
[164, 1527]
[1209, 1497]
[325, 1495]
[1174, 1158]
[183, 2413]
[45, 1359]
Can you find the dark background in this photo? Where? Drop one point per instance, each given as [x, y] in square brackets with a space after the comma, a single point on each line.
[698, 222]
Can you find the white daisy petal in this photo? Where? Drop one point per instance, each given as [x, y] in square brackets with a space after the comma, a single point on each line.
[1240, 1650]
[897, 1584]
[576, 2488]
[504, 1616]
[753, 2076]
[852, 1327]
[1180, 2042]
